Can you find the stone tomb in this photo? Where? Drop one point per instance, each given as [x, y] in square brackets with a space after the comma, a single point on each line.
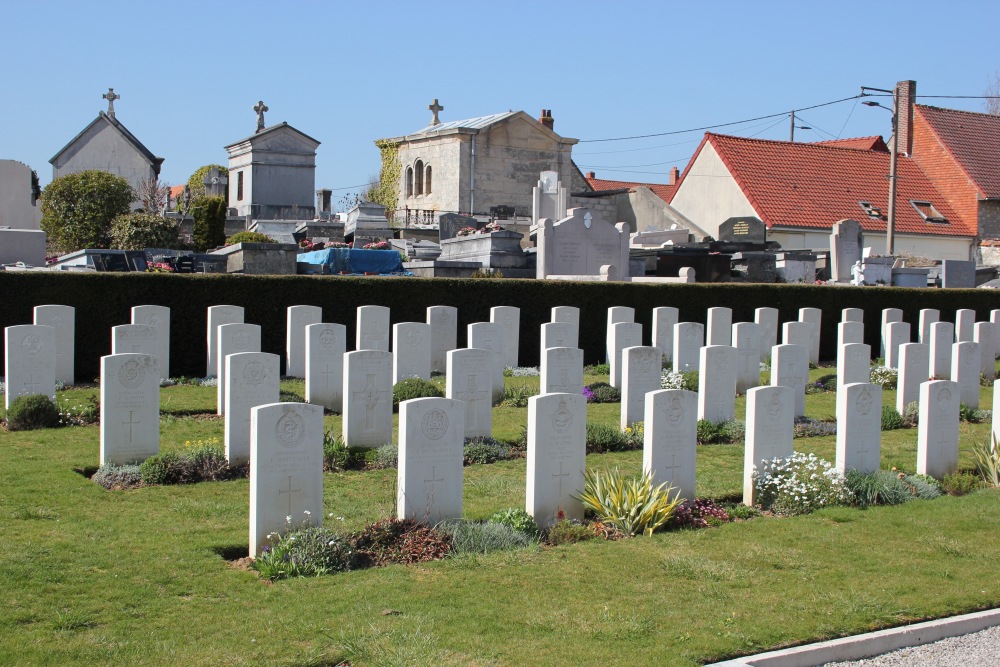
[562, 371]
[670, 439]
[937, 429]
[854, 363]
[767, 319]
[985, 338]
[444, 334]
[63, 320]
[688, 340]
[297, 318]
[254, 379]
[928, 316]
[581, 244]
[431, 440]
[509, 318]
[558, 334]
[965, 322]
[914, 369]
[233, 338]
[719, 326]
[623, 334]
[130, 408]
[367, 418]
[30, 361]
[640, 375]
[958, 273]
[157, 317]
[859, 427]
[889, 315]
[814, 317]
[846, 243]
[850, 332]
[557, 457]
[769, 432]
[411, 351]
[616, 314]
[942, 338]
[489, 336]
[965, 368]
[470, 379]
[325, 347]
[664, 319]
[895, 334]
[134, 339]
[790, 368]
[217, 316]
[717, 383]
[571, 316]
[286, 470]
[372, 329]
[747, 341]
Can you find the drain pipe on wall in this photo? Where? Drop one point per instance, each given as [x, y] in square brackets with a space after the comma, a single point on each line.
[472, 179]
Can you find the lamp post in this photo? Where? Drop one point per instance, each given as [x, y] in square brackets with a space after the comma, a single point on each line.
[890, 224]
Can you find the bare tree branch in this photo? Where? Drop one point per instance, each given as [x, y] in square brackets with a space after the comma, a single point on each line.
[993, 91]
[153, 195]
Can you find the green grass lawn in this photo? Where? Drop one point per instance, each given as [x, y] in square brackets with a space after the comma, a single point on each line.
[143, 577]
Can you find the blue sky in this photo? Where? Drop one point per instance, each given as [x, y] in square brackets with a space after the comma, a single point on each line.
[349, 73]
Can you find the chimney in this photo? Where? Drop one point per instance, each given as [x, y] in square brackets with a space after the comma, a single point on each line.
[675, 175]
[591, 174]
[906, 95]
[546, 119]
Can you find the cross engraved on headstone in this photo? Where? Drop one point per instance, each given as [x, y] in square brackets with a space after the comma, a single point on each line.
[471, 394]
[863, 449]
[371, 396]
[260, 108]
[31, 383]
[434, 108]
[130, 424]
[111, 96]
[432, 481]
[560, 477]
[289, 491]
[673, 464]
[326, 375]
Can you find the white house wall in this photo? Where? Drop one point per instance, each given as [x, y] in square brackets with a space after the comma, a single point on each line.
[934, 247]
[104, 148]
[16, 209]
[709, 195]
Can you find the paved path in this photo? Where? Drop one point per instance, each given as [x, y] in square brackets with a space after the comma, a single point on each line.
[972, 650]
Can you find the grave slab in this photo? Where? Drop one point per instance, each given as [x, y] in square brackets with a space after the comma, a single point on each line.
[914, 369]
[790, 368]
[489, 336]
[63, 320]
[444, 334]
[157, 317]
[561, 370]
[326, 345]
[29, 361]
[937, 430]
[557, 453]
[859, 427]
[233, 338]
[411, 351]
[717, 383]
[688, 340]
[367, 419]
[372, 331]
[130, 408]
[297, 318]
[431, 439]
[217, 316]
[769, 432]
[508, 317]
[664, 319]
[254, 379]
[623, 334]
[640, 375]
[670, 439]
[470, 379]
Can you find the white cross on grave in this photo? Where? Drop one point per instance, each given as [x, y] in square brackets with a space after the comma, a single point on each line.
[560, 477]
[433, 482]
[289, 492]
[371, 397]
[326, 375]
[130, 424]
[471, 395]
[31, 383]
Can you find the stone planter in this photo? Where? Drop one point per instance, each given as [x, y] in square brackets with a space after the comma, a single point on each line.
[498, 250]
[910, 277]
[261, 258]
[877, 270]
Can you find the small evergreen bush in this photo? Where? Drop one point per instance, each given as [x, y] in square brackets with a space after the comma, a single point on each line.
[386, 456]
[961, 483]
[634, 505]
[881, 487]
[891, 419]
[604, 393]
[484, 450]
[483, 537]
[249, 237]
[34, 411]
[567, 531]
[411, 388]
[114, 477]
[162, 468]
[138, 231]
[605, 438]
[517, 519]
[516, 396]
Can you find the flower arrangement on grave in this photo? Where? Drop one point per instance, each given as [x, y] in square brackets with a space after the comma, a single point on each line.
[338, 244]
[159, 267]
[491, 227]
[378, 245]
[466, 231]
[307, 245]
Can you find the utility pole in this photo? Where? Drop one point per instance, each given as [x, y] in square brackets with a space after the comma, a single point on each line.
[890, 223]
[791, 130]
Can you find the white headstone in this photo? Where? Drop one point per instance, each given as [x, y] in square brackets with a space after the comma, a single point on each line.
[254, 379]
[717, 383]
[557, 457]
[896, 333]
[558, 334]
[431, 440]
[411, 351]
[157, 317]
[767, 318]
[367, 420]
[296, 320]
[469, 379]
[797, 333]
[571, 316]
[937, 429]
[134, 339]
[747, 338]
[63, 320]
[233, 338]
[850, 332]
[790, 368]
[965, 322]
[616, 314]
[489, 336]
[562, 371]
[325, 348]
[130, 408]
[769, 432]
[664, 319]
[942, 338]
[965, 369]
[509, 318]
[928, 316]
[719, 326]
[859, 427]
[444, 334]
[889, 315]
[914, 370]
[814, 317]
[372, 329]
[30, 361]
[995, 431]
[623, 334]
[852, 315]
[640, 375]
[688, 340]
[995, 321]
[854, 364]
[286, 470]
[217, 316]
[670, 439]
[985, 338]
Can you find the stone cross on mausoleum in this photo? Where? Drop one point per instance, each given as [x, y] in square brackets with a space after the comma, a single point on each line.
[434, 109]
[111, 96]
[260, 108]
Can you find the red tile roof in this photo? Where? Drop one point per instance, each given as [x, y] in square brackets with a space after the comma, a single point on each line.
[662, 190]
[176, 191]
[861, 143]
[815, 185]
[973, 139]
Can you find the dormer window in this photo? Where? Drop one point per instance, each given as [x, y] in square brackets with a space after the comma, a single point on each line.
[871, 210]
[928, 212]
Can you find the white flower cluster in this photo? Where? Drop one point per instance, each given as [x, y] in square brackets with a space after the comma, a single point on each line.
[884, 376]
[210, 381]
[798, 484]
[523, 371]
[2, 386]
[671, 379]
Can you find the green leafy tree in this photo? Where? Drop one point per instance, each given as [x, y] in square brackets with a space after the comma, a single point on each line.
[196, 184]
[209, 222]
[138, 231]
[77, 209]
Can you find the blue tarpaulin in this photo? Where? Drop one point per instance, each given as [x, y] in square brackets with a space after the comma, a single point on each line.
[349, 260]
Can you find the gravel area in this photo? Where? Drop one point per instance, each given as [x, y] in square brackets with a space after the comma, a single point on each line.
[973, 650]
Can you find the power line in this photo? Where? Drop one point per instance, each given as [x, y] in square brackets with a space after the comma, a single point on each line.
[650, 148]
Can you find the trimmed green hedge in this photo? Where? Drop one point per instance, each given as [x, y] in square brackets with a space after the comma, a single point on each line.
[103, 300]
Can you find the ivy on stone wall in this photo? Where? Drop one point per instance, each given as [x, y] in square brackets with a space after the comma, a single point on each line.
[386, 192]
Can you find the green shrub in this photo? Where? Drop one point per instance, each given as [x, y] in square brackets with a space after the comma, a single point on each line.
[911, 414]
[206, 463]
[162, 468]
[517, 519]
[739, 511]
[708, 433]
[319, 550]
[733, 432]
[249, 237]
[961, 483]
[209, 215]
[114, 477]
[597, 369]
[484, 450]
[483, 537]
[27, 413]
[891, 419]
[986, 453]
[973, 415]
[881, 487]
[633, 505]
[567, 531]
[77, 209]
[605, 438]
[338, 458]
[516, 396]
[138, 231]
[196, 182]
[411, 388]
[923, 486]
[386, 456]
[604, 393]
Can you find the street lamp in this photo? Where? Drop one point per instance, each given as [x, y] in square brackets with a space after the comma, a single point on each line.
[890, 224]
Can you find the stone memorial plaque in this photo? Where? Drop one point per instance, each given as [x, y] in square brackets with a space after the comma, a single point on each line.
[670, 439]
[937, 429]
[411, 345]
[688, 340]
[63, 320]
[814, 317]
[444, 334]
[769, 432]
[719, 326]
[958, 273]
[431, 440]
[767, 319]
[470, 380]
[489, 336]
[509, 318]
[233, 338]
[130, 408]
[928, 316]
[859, 427]
[582, 244]
[743, 230]
[326, 345]
[664, 319]
[217, 316]
[914, 369]
[561, 370]
[558, 334]
[286, 470]
[571, 316]
[717, 383]
[965, 368]
[297, 318]
[790, 368]
[30, 361]
[557, 457]
[623, 334]
[254, 379]
[640, 375]
[367, 420]
[846, 243]
[157, 317]
[942, 338]
[372, 328]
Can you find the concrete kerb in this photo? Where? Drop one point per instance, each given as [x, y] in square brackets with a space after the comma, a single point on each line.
[870, 644]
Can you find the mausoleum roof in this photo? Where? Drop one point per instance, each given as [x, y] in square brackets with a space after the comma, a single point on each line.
[273, 128]
[467, 124]
[117, 125]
